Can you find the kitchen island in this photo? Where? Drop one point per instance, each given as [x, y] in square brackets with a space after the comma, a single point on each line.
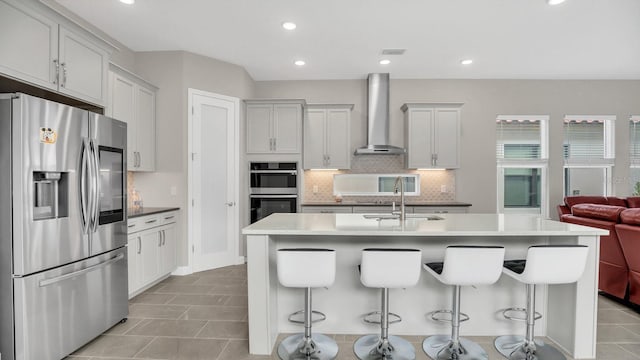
[569, 311]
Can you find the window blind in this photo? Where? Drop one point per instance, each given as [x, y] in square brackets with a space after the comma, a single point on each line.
[584, 139]
[634, 140]
[518, 139]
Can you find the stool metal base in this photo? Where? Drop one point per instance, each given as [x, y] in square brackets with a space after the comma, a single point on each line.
[325, 348]
[366, 348]
[438, 348]
[512, 347]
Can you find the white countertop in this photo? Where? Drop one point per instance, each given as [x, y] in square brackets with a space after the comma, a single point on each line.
[451, 225]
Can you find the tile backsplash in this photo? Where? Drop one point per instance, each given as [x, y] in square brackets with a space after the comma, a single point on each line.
[431, 181]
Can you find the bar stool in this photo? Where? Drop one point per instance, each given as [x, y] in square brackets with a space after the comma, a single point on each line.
[545, 264]
[463, 265]
[307, 268]
[386, 269]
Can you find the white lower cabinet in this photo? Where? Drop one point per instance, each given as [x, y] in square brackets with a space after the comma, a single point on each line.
[152, 250]
[383, 209]
[440, 209]
[327, 209]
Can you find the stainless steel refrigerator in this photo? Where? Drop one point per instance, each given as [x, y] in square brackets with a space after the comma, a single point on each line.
[63, 260]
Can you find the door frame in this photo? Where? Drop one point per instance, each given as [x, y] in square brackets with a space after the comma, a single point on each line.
[236, 192]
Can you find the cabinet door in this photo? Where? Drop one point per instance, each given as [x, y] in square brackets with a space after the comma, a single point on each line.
[28, 45]
[338, 139]
[146, 129]
[287, 122]
[314, 139]
[440, 209]
[122, 107]
[133, 257]
[150, 240]
[168, 253]
[327, 209]
[83, 68]
[259, 139]
[446, 137]
[419, 138]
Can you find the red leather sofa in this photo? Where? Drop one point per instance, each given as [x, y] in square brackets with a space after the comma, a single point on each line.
[628, 231]
[604, 213]
[620, 250]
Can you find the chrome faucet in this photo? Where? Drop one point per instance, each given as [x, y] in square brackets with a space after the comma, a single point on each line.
[400, 180]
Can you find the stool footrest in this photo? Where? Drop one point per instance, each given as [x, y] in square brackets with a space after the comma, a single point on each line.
[322, 317]
[435, 316]
[521, 314]
[368, 318]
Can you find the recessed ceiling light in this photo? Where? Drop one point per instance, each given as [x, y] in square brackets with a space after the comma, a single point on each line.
[299, 62]
[466, 62]
[385, 62]
[555, 2]
[289, 25]
[128, 2]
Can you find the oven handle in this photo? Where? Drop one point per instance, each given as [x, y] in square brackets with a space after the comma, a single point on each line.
[292, 172]
[273, 196]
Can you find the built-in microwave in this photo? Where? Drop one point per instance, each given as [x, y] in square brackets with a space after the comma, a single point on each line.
[278, 178]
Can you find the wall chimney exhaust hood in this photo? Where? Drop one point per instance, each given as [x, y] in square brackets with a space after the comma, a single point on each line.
[378, 118]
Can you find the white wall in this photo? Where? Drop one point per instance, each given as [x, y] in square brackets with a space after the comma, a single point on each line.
[174, 72]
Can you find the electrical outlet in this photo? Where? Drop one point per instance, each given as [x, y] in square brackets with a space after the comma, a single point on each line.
[443, 188]
[315, 189]
[173, 190]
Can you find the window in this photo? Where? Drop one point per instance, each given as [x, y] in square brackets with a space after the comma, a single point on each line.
[588, 151]
[634, 154]
[522, 160]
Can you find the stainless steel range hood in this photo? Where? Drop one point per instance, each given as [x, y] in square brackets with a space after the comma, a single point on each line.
[378, 118]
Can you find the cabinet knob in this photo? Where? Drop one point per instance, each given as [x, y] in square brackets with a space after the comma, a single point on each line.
[230, 204]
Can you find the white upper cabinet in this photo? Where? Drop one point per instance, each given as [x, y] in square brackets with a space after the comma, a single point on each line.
[28, 46]
[83, 68]
[327, 137]
[274, 126]
[133, 101]
[37, 49]
[432, 135]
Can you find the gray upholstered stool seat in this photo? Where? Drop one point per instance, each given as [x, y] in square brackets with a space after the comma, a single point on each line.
[307, 268]
[385, 269]
[463, 265]
[544, 264]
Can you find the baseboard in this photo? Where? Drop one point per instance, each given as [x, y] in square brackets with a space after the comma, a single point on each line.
[182, 271]
[240, 260]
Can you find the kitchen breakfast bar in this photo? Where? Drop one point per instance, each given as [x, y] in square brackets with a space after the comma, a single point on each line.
[569, 311]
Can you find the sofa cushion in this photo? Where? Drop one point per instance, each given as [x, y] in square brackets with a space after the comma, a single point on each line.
[630, 216]
[633, 202]
[574, 200]
[616, 201]
[596, 211]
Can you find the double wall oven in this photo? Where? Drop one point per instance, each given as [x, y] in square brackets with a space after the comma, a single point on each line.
[274, 188]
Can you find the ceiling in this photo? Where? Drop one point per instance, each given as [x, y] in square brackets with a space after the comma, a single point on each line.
[343, 39]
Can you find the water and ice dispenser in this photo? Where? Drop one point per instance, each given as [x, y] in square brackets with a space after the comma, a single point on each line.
[50, 195]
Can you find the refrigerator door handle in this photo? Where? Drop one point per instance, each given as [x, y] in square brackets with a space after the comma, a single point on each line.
[84, 165]
[96, 186]
[58, 279]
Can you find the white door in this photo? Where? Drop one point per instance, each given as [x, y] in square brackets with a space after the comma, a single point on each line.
[213, 180]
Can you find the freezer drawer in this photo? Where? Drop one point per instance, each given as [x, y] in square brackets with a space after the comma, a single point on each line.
[59, 310]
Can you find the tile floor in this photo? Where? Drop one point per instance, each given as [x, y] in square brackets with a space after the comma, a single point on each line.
[204, 317]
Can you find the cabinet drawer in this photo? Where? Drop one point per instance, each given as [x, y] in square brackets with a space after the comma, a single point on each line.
[379, 209]
[327, 209]
[440, 210]
[144, 223]
[168, 218]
